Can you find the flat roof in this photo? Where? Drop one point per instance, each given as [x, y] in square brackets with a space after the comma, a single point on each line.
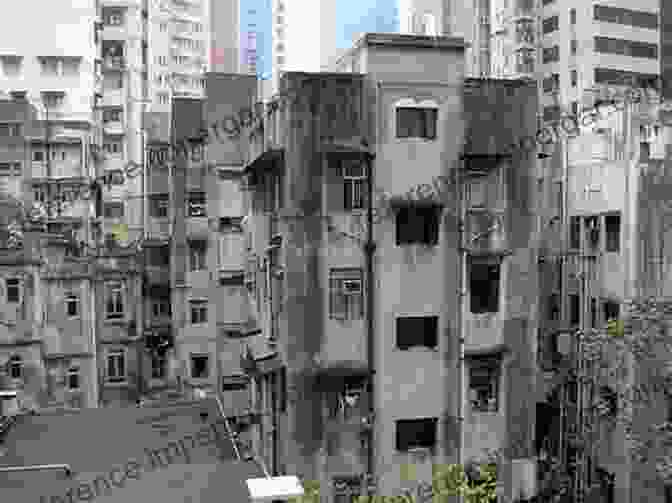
[164, 453]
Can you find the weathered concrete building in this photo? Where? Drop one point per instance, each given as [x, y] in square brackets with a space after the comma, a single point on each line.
[364, 322]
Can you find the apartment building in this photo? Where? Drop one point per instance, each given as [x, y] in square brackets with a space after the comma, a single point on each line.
[604, 245]
[596, 44]
[225, 33]
[301, 46]
[311, 267]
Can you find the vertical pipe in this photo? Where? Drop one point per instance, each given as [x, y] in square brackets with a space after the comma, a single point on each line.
[369, 249]
[462, 269]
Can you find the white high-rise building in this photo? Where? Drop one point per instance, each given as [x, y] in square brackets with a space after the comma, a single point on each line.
[225, 36]
[304, 36]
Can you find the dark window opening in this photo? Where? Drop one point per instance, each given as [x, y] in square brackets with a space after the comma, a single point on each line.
[13, 290]
[611, 310]
[413, 331]
[554, 307]
[484, 286]
[575, 233]
[593, 313]
[484, 375]
[415, 433]
[550, 24]
[199, 366]
[417, 225]
[574, 310]
[612, 224]
[416, 123]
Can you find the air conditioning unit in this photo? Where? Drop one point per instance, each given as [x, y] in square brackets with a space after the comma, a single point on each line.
[352, 287]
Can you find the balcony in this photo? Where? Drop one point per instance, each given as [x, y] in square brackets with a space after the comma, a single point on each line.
[113, 128]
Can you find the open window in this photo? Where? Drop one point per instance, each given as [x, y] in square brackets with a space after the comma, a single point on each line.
[418, 225]
[612, 224]
[417, 331]
[346, 294]
[484, 279]
[484, 376]
[416, 120]
[415, 433]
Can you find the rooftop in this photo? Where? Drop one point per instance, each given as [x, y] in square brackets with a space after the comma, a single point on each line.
[198, 460]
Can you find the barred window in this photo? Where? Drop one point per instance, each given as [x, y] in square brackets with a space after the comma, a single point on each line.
[346, 294]
[354, 184]
[484, 374]
[416, 122]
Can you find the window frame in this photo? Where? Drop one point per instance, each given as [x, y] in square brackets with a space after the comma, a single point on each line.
[15, 286]
[196, 208]
[198, 255]
[494, 302]
[159, 203]
[430, 323]
[192, 359]
[162, 360]
[112, 287]
[70, 299]
[612, 242]
[413, 442]
[426, 234]
[198, 305]
[353, 185]
[492, 364]
[73, 371]
[117, 355]
[337, 280]
[16, 363]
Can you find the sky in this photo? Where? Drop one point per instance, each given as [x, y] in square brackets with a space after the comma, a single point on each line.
[352, 17]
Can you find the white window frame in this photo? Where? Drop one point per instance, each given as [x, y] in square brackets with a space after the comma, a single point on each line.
[357, 183]
[191, 365]
[71, 297]
[111, 287]
[198, 257]
[116, 354]
[198, 303]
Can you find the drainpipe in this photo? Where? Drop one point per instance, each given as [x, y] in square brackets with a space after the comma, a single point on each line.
[462, 292]
[369, 250]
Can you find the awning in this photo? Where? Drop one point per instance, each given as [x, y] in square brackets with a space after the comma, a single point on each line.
[333, 375]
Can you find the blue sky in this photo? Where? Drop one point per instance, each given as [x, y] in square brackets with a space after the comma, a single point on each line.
[352, 17]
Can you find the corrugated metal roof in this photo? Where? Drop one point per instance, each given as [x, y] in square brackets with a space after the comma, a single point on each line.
[102, 445]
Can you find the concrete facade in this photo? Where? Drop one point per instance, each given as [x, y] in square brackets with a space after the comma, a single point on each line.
[303, 240]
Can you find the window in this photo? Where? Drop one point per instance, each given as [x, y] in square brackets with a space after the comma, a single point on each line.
[575, 233]
[572, 16]
[73, 378]
[112, 147]
[593, 313]
[416, 122]
[484, 285]
[199, 311]
[627, 17]
[575, 108]
[114, 299]
[162, 98]
[551, 54]
[550, 24]
[554, 307]
[159, 365]
[197, 254]
[160, 308]
[16, 367]
[13, 290]
[163, 26]
[592, 226]
[624, 47]
[417, 224]
[116, 365]
[574, 310]
[72, 305]
[10, 129]
[196, 204]
[53, 100]
[114, 210]
[346, 294]
[200, 366]
[415, 331]
[574, 77]
[111, 115]
[484, 372]
[354, 183]
[573, 46]
[611, 310]
[612, 225]
[113, 17]
[415, 433]
[158, 207]
[38, 155]
[551, 83]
